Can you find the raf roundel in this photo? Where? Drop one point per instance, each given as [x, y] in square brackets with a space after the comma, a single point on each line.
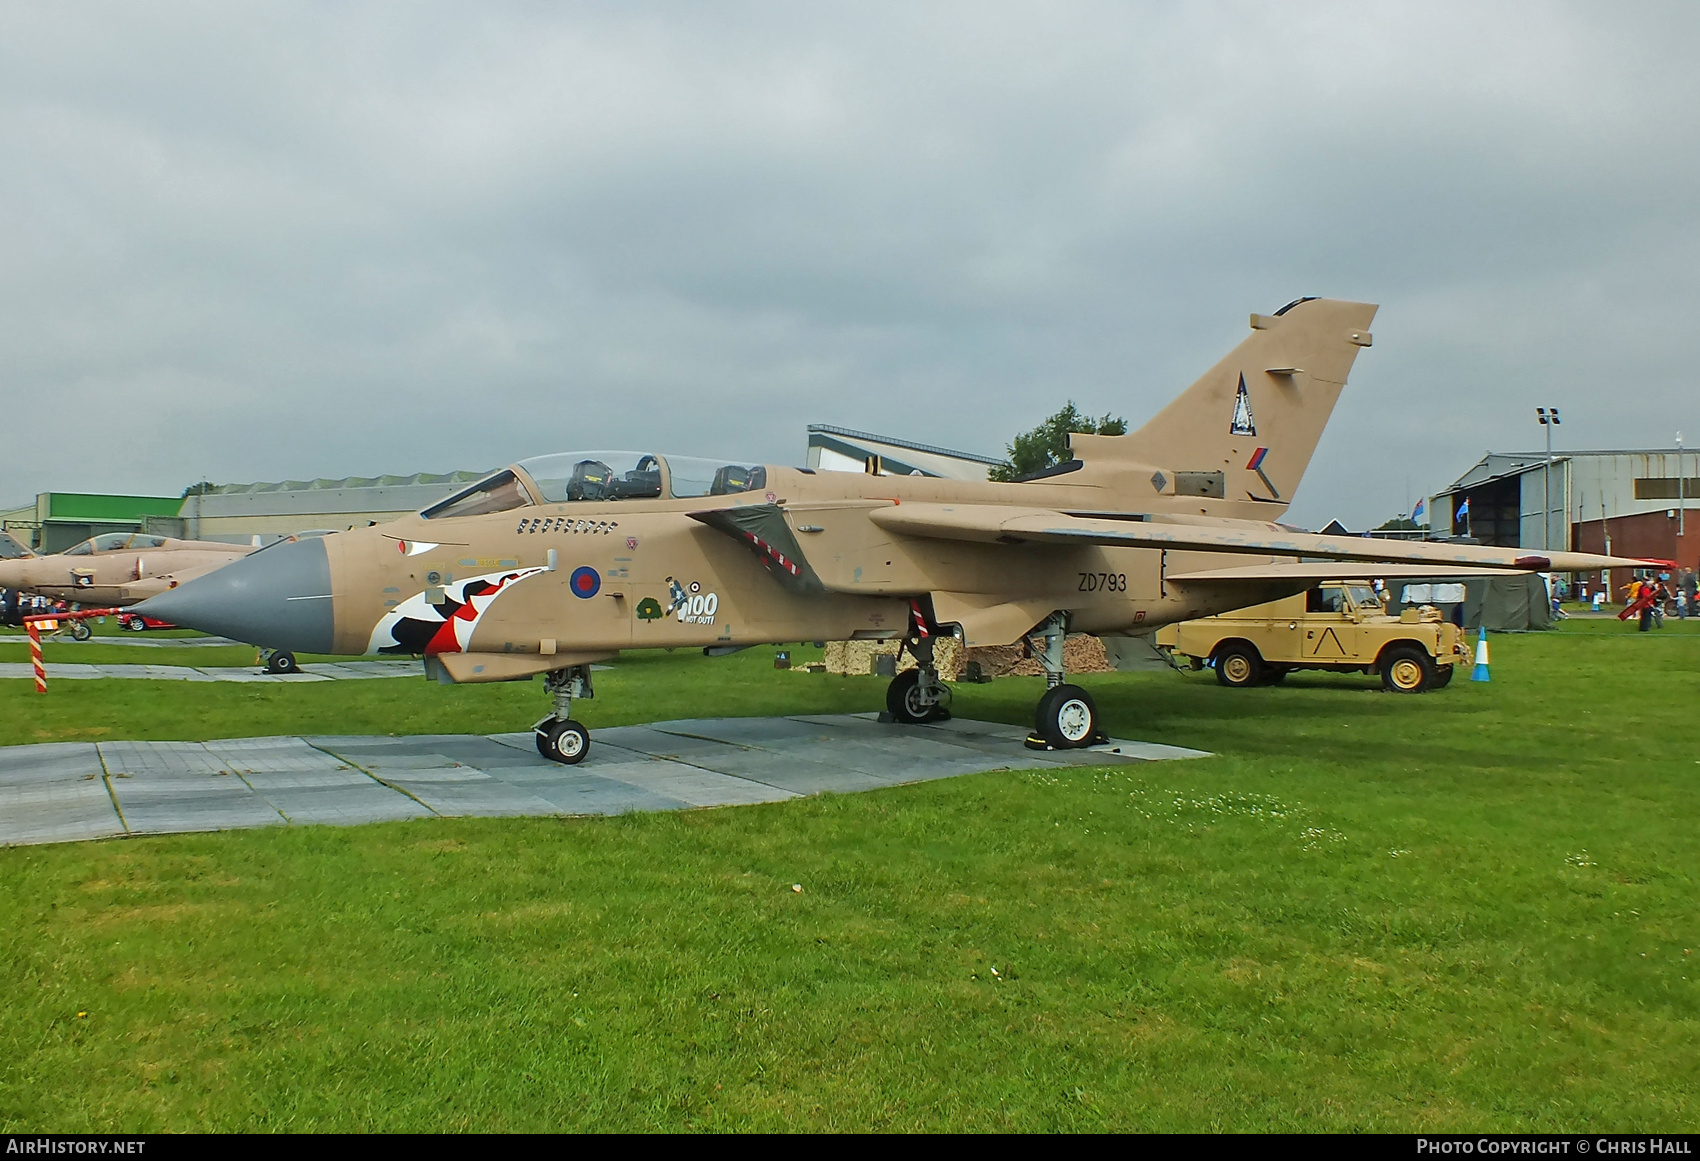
[585, 582]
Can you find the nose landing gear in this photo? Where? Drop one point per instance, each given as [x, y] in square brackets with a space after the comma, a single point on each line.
[281, 661]
[559, 738]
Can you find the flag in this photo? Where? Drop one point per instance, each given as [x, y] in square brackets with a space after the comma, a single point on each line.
[1464, 508]
[1420, 512]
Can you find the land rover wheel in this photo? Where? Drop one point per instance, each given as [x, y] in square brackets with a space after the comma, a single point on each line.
[1238, 665]
[1407, 669]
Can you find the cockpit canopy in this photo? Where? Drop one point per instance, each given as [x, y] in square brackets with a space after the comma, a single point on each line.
[599, 475]
[113, 541]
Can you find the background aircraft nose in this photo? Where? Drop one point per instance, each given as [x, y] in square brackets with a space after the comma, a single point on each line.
[279, 598]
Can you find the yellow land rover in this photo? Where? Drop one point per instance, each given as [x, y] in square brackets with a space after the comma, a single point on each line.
[1339, 626]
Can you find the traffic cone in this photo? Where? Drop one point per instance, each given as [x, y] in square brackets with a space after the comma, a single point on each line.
[1480, 673]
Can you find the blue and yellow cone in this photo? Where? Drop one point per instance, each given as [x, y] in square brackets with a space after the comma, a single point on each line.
[1480, 673]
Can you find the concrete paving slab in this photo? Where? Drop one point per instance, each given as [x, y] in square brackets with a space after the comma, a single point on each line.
[167, 758]
[488, 755]
[311, 672]
[274, 755]
[343, 804]
[603, 796]
[441, 772]
[130, 640]
[49, 762]
[166, 804]
[63, 791]
[796, 771]
[483, 797]
[659, 743]
[691, 784]
[57, 811]
[746, 731]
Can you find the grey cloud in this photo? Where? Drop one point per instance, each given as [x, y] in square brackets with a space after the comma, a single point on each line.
[258, 243]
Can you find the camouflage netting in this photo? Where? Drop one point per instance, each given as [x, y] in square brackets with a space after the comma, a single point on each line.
[1081, 654]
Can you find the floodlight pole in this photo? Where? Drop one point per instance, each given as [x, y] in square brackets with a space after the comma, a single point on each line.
[1680, 501]
[1548, 417]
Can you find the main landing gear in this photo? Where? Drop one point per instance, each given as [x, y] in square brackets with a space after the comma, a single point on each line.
[559, 738]
[1067, 717]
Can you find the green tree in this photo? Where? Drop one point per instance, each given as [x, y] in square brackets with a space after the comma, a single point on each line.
[1399, 524]
[1047, 445]
[200, 489]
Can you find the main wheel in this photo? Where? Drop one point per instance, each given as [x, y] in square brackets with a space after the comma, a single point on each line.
[903, 700]
[1407, 669]
[80, 631]
[1067, 717]
[283, 661]
[1238, 665]
[566, 742]
[134, 624]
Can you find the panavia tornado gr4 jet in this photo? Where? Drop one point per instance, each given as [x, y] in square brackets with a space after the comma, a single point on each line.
[563, 560]
[117, 568]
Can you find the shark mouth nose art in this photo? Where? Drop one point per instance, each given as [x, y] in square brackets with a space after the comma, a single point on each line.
[442, 619]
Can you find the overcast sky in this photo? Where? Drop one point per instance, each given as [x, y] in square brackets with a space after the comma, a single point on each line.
[247, 243]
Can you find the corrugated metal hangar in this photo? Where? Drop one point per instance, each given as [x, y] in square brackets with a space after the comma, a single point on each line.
[1631, 503]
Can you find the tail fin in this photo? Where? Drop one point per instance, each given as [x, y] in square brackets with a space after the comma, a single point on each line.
[1245, 432]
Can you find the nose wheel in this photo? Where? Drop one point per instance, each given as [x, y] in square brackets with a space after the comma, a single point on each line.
[567, 742]
[559, 738]
[282, 661]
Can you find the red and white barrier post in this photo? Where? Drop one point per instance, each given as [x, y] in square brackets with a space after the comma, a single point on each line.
[33, 624]
[35, 657]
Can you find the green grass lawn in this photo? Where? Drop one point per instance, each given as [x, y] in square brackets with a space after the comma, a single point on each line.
[1469, 910]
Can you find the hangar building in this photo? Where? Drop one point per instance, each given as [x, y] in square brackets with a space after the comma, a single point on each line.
[57, 520]
[1630, 503]
[234, 513]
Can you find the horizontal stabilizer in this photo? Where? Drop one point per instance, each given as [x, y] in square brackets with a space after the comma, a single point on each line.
[990, 523]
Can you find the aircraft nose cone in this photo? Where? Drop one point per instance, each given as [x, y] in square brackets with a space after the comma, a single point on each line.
[279, 598]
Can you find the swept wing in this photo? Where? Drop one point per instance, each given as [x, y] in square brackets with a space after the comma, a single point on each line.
[990, 523]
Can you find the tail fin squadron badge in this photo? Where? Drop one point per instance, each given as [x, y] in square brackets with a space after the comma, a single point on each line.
[1243, 423]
